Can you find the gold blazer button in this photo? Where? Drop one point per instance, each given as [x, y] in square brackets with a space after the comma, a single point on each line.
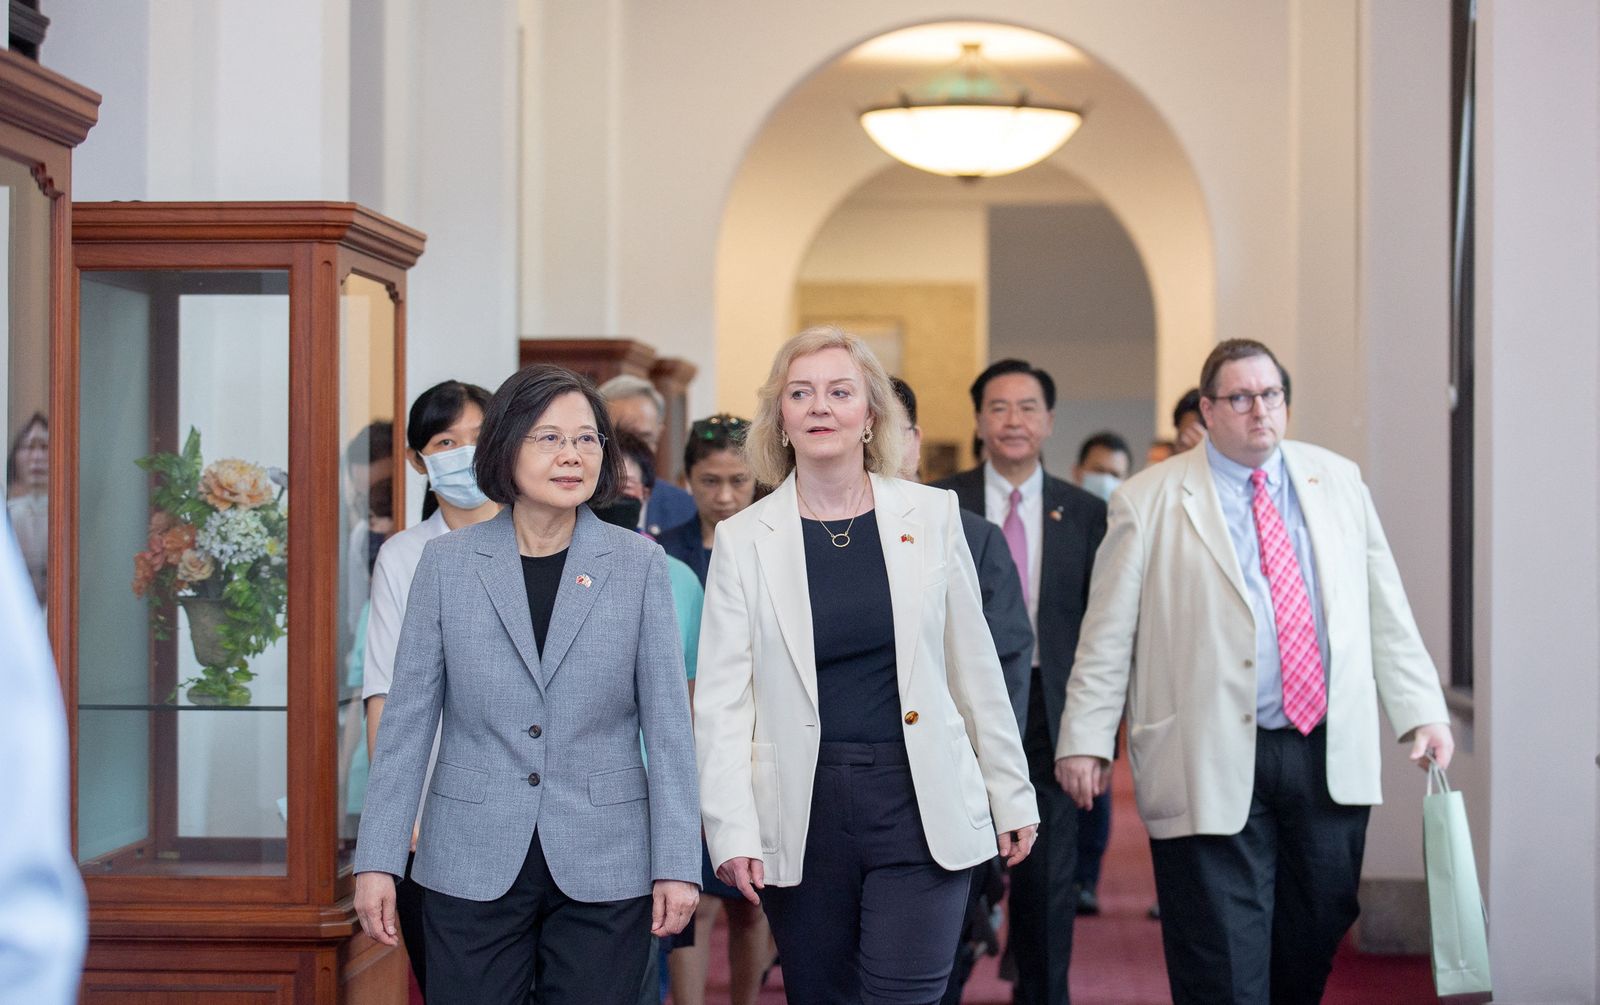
[911, 717]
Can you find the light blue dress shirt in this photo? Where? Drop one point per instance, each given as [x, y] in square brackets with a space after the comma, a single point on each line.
[42, 913]
[1236, 494]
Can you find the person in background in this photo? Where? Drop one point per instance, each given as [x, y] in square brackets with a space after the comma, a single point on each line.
[1052, 529]
[43, 918]
[1007, 617]
[722, 485]
[1189, 425]
[1103, 464]
[441, 437]
[28, 498]
[635, 405]
[1252, 696]
[857, 750]
[1158, 451]
[543, 643]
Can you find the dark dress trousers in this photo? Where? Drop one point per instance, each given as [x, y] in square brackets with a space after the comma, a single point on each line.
[1043, 904]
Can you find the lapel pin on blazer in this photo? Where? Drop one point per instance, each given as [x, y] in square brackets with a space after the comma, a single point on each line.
[585, 581]
[1055, 514]
[1311, 481]
[907, 539]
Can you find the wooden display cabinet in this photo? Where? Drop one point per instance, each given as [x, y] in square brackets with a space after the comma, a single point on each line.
[240, 380]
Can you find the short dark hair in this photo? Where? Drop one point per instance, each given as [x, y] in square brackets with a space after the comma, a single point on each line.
[434, 411]
[373, 443]
[1107, 440]
[1189, 403]
[1237, 349]
[1000, 368]
[631, 448]
[713, 435]
[908, 398]
[516, 408]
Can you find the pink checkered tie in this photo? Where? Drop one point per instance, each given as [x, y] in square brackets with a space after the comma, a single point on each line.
[1305, 694]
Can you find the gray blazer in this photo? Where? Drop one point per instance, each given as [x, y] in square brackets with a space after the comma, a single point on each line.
[529, 743]
[1003, 608]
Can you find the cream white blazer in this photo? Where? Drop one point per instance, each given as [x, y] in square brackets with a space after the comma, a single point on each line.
[1169, 629]
[756, 721]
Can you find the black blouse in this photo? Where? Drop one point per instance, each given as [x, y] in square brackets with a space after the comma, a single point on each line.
[852, 630]
[542, 577]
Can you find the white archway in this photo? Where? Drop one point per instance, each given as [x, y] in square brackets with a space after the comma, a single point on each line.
[809, 154]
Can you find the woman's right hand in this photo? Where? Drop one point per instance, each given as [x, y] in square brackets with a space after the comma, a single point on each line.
[747, 875]
[375, 906]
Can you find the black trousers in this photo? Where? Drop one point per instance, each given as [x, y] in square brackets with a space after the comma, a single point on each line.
[1255, 917]
[408, 907]
[1043, 905]
[570, 952]
[874, 919]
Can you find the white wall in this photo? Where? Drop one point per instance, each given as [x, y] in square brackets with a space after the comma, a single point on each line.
[1538, 490]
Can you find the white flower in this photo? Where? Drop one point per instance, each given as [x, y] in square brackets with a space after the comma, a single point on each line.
[234, 536]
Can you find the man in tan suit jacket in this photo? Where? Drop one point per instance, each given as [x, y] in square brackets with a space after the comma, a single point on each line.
[1251, 687]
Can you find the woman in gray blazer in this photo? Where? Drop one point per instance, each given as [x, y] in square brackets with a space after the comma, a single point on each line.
[544, 641]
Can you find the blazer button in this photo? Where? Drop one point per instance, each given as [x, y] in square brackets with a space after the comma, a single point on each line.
[535, 732]
[911, 717]
[533, 778]
[1247, 719]
[1249, 664]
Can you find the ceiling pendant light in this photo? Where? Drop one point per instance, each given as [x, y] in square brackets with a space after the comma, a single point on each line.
[968, 123]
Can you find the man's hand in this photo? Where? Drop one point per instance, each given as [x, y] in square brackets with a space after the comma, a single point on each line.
[1435, 737]
[375, 906]
[1015, 845]
[672, 905]
[747, 875]
[1083, 777]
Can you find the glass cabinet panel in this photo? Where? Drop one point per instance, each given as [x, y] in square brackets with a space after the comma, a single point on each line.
[183, 572]
[367, 518]
[25, 365]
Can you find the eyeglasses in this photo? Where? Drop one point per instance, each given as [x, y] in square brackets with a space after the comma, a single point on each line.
[718, 426]
[550, 441]
[1245, 402]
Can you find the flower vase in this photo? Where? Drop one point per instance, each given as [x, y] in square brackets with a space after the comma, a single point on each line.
[217, 684]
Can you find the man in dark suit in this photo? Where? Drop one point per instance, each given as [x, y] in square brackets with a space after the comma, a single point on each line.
[1051, 529]
[1007, 617]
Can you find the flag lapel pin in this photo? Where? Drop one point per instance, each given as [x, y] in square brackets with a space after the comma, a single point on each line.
[585, 581]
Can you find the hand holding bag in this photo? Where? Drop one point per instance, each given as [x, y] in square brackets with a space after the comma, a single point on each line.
[1457, 916]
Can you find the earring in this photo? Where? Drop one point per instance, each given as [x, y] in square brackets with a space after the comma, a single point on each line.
[784, 436]
[866, 435]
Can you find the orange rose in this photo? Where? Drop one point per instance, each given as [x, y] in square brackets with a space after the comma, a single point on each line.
[160, 521]
[177, 541]
[231, 482]
[145, 567]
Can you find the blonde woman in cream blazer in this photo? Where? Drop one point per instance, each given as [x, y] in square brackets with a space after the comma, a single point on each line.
[858, 753]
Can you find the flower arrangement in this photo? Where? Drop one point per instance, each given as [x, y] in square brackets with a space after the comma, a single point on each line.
[217, 544]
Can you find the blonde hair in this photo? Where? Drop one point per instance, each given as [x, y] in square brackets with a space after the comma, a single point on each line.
[771, 461]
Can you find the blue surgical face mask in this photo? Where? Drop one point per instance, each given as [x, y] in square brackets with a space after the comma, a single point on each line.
[452, 479]
[1101, 484]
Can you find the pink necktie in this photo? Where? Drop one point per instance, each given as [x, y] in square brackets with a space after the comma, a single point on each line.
[1305, 695]
[1017, 540]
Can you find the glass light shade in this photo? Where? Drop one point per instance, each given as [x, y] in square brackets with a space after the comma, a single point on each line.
[970, 140]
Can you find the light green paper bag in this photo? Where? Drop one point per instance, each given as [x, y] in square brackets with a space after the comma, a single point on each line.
[1455, 906]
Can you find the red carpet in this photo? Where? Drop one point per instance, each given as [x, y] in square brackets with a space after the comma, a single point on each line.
[1117, 956]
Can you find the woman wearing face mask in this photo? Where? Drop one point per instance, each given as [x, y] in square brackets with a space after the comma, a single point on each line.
[441, 438]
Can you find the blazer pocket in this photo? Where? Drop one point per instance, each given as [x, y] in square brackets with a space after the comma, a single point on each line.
[1159, 781]
[622, 785]
[969, 776]
[769, 808]
[453, 781]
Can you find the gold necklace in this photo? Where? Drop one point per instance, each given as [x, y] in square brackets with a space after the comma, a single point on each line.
[841, 539]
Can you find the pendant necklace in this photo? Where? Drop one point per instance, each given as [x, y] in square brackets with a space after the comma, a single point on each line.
[842, 538]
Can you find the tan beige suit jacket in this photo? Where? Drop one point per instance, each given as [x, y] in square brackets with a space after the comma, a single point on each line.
[756, 712]
[1170, 632]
